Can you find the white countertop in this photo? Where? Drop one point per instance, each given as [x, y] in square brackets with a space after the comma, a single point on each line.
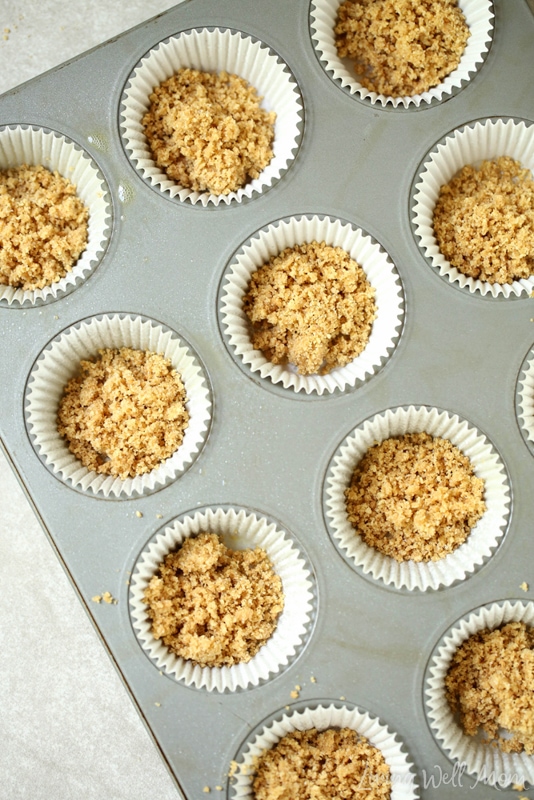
[68, 728]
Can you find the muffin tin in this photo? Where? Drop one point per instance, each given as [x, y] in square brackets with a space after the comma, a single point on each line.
[268, 447]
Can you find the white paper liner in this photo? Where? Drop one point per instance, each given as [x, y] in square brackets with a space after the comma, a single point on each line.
[479, 17]
[485, 761]
[321, 717]
[35, 146]
[483, 140]
[380, 272]
[239, 530]
[526, 398]
[483, 538]
[60, 361]
[214, 51]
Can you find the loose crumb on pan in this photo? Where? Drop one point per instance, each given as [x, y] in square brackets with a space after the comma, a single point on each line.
[124, 413]
[309, 764]
[490, 684]
[212, 605]
[414, 497]
[208, 132]
[401, 48]
[312, 306]
[43, 227]
[484, 221]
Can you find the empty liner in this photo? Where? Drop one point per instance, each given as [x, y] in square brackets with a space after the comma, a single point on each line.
[239, 530]
[321, 717]
[484, 537]
[525, 399]
[477, 142]
[214, 50]
[35, 146]
[380, 272]
[485, 761]
[479, 17]
[60, 361]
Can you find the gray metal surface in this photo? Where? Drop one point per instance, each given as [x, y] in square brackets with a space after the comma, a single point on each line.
[268, 449]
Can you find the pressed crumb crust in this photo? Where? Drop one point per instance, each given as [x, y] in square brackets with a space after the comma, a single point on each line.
[490, 683]
[43, 227]
[311, 306]
[124, 413]
[212, 605]
[208, 131]
[313, 765]
[414, 497]
[484, 221]
[401, 47]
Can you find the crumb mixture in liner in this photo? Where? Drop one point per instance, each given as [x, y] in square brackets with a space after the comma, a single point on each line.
[214, 605]
[208, 132]
[60, 361]
[238, 530]
[478, 16]
[43, 227]
[124, 413]
[311, 306]
[297, 231]
[385, 764]
[44, 276]
[401, 47]
[481, 757]
[468, 148]
[214, 51]
[483, 538]
[414, 497]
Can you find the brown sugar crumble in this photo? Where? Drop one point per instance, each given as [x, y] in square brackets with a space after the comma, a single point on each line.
[208, 131]
[43, 227]
[311, 306]
[310, 764]
[484, 221]
[490, 685]
[213, 605]
[124, 413]
[414, 497]
[401, 48]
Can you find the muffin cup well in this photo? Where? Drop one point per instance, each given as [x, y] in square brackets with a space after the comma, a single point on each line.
[479, 17]
[239, 530]
[476, 142]
[214, 50]
[379, 270]
[36, 146]
[484, 537]
[321, 717]
[488, 763]
[60, 361]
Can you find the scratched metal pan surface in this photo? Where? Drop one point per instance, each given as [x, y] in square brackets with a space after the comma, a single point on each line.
[267, 449]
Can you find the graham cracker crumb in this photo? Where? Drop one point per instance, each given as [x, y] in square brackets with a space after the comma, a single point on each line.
[294, 694]
[484, 221]
[489, 683]
[234, 767]
[330, 763]
[401, 47]
[524, 586]
[158, 705]
[311, 306]
[108, 598]
[208, 131]
[206, 789]
[97, 598]
[415, 497]
[43, 227]
[124, 413]
[212, 605]
[139, 514]
[313, 679]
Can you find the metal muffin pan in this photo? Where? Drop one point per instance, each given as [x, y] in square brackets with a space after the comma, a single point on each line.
[268, 448]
